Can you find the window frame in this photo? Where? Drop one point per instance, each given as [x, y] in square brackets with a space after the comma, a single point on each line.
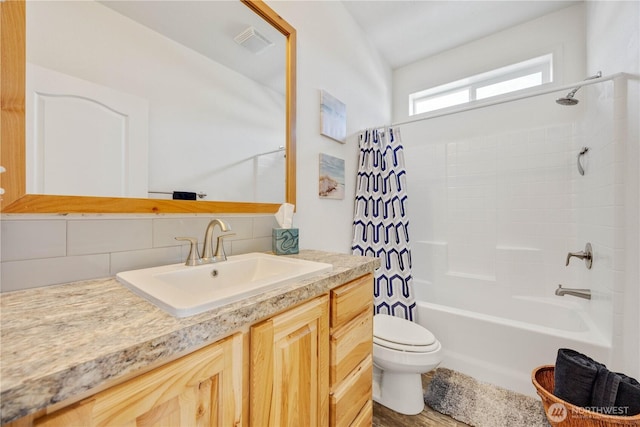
[541, 64]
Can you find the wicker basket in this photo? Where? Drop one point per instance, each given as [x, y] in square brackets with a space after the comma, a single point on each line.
[563, 414]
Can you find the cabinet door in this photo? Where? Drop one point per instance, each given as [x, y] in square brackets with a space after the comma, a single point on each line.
[203, 388]
[290, 367]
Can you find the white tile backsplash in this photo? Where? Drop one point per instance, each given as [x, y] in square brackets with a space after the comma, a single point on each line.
[45, 250]
[242, 227]
[33, 239]
[260, 244]
[165, 230]
[33, 273]
[262, 226]
[133, 260]
[109, 235]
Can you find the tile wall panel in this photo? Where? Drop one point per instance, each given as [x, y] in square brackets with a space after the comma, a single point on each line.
[108, 235]
[133, 260]
[32, 239]
[47, 250]
[33, 273]
[513, 205]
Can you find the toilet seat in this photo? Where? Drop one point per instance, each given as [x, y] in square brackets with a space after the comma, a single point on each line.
[402, 335]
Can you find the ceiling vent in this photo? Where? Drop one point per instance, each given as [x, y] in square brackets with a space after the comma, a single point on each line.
[253, 40]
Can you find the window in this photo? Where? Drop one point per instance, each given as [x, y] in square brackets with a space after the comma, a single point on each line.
[512, 78]
[444, 100]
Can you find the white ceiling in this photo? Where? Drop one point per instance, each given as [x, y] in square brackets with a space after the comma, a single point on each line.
[405, 31]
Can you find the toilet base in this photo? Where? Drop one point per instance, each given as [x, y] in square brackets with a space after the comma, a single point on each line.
[400, 392]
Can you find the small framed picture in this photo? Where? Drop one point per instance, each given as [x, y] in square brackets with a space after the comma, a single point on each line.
[331, 182]
[333, 117]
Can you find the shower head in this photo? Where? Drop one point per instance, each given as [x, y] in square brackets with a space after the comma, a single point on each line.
[569, 99]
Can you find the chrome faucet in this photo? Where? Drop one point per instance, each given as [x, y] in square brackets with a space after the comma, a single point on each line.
[580, 293]
[194, 257]
[219, 254]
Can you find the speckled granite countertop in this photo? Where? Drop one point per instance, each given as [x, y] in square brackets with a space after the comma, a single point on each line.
[61, 341]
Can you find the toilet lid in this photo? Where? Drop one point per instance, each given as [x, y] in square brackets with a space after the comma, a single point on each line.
[402, 334]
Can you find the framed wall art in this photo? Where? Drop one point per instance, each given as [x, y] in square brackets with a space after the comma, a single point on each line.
[333, 117]
[331, 182]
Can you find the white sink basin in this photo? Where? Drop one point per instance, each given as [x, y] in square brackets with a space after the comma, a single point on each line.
[184, 291]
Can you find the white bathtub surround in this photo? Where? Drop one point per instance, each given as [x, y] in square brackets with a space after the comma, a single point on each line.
[505, 208]
[381, 223]
[496, 195]
[498, 338]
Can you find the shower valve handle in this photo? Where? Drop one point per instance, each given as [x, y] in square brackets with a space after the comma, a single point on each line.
[586, 255]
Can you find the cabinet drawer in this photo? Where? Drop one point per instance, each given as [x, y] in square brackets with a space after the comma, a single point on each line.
[350, 299]
[365, 417]
[351, 395]
[350, 344]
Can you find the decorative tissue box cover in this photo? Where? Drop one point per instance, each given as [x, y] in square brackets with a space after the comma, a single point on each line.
[284, 241]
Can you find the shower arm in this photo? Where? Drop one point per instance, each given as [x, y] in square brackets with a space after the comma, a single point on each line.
[595, 76]
[573, 92]
[575, 89]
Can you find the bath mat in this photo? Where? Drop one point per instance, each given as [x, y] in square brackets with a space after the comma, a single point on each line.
[481, 404]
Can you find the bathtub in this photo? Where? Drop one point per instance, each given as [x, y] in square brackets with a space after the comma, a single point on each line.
[500, 339]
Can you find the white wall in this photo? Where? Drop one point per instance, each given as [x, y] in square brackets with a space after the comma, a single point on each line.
[613, 45]
[561, 32]
[332, 55]
[39, 250]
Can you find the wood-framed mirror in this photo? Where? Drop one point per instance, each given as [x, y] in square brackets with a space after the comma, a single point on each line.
[16, 198]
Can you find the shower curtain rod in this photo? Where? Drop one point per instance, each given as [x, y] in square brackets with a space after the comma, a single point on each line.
[514, 98]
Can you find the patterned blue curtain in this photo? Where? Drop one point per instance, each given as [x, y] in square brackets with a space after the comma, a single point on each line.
[380, 224]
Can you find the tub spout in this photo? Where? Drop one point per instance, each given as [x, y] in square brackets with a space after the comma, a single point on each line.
[580, 293]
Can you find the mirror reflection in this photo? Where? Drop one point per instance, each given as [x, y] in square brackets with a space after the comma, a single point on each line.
[167, 99]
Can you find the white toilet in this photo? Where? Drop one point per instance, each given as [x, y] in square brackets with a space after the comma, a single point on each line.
[402, 351]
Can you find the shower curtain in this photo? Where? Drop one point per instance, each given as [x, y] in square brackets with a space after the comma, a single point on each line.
[380, 224]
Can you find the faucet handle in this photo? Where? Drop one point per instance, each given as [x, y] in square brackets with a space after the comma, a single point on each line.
[586, 255]
[194, 256]
[220, 255]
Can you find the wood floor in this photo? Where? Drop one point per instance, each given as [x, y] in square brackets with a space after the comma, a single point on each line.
[384, 417]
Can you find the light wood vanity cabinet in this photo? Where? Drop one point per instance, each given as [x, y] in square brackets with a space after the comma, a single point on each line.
[351, 344]
[290, 367]
[203, 388]
[310, 365]
[299, 380]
